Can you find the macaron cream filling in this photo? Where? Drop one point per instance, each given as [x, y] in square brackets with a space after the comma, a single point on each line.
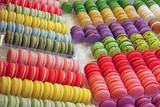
[80, 80]
[24, 72]
[14, 67]
[71, 78]
[44, 75]
[63, 77]
[34, 73]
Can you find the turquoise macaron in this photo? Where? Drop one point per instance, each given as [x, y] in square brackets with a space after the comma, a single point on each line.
[36, 32]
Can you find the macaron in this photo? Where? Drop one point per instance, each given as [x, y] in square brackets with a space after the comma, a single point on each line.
[12, 70]
[5, 85]
[16, 87]
[22, 71]
[33, 73]
[43, 74]
[27, 92]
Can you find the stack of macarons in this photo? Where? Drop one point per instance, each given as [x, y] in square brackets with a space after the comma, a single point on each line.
[4, 15]
[101, 4]
[81, 13]
[35, 22]
[148, 80]
[139, 43]
[129, 9]
[156, 100]
[3, 26]
[96, 83]
[91, 34]
[152, 62]
[129, 27]
[111, 45]
[93, 12]
[154, 7]
[128, 76]
[43, 74]
[104, 31]
[98, 49]
[116, 29]
[77, 34]
[108, 103]
[36, 42]
[125, 100]
[39, 90]
[48, 33]
[152, 40]
[124, 43]
[23, 102]
[155, 25]
[39, 59]
[143, 10]
[78, 7]
[141, 26]
[143, 101]
[111, 76]
[118, 11]
[54, 9]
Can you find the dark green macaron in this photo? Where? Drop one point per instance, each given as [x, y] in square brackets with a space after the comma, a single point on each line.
[67, 7]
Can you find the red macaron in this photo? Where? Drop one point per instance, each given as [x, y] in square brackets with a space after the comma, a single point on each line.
[80, 79]
[71, 78]
[12, 70]
[53, 76]
[3, 67]
[33, 73]
[43, 74]
[22, 71]
[12, 55]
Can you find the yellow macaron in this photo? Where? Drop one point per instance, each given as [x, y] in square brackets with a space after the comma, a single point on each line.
[80, 95]
[60, 28]
[27, 87]
[41, 91]
[63, 30]
[51, 91]
[65, 98]
[61, 92]
[46, 90]
[16, 86]
[11, 16]
[18, 19]
[49, 25]
[5, 15]
[71, 94]
[56, 28]
[89, 96]
[5, 85]
[56, 92]
[84, 93]
[76, 94]
[66, 29]
[36, 89]
[2, 12]
[34, 22]
[26, 21]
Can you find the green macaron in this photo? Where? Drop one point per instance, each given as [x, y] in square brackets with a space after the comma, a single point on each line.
[67, 7]
[62, 47]
[11, 38]
[99, 52]
[16, 39]
[56, 46]
[113, 50]
[96, 45]
[48, 44]
[7, 36]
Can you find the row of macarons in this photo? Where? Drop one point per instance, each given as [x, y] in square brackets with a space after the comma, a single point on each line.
[41, 43]
[8, 101]
[19, 28]
[127, 101]
[48, 15]
[42, 74]
[33, 22]
[39, 90]
[31, 58]
[32, 3]
[116, 85]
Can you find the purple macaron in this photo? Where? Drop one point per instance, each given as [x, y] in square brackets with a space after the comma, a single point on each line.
[156, 99]
[141, 100]
[77, 34]
[107, 103]
[87, 27]
[125, 100]
[139, 21]
[93, 37]
[128, 105]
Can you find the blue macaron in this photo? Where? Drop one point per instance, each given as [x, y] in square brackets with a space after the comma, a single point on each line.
[11, 26]
[36, 31]
[44, 33]
[3, 26]
[28, 30]
[51, 35]
[20, 28]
